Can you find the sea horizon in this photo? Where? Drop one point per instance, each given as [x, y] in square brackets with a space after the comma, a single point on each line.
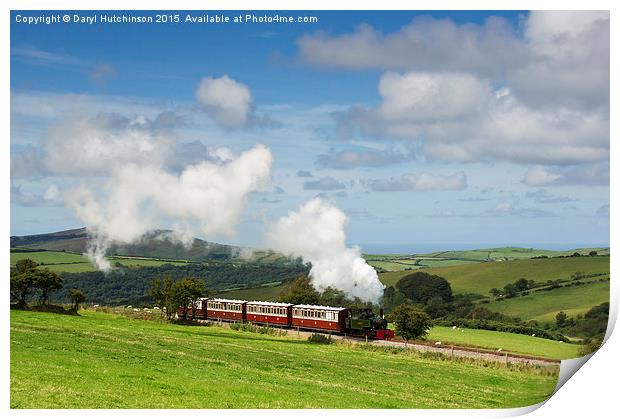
[420, 248]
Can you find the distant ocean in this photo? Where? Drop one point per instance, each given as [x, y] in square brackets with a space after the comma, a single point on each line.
[437, 247]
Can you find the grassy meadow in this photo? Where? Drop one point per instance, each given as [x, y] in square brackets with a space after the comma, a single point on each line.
[57, 261]
[508, 342]
[544, 305]
[100, 360]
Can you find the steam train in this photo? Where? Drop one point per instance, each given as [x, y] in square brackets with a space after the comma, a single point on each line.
[342, 320]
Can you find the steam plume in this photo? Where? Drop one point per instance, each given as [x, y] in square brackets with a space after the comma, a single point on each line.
[316, 234]
[137, 196]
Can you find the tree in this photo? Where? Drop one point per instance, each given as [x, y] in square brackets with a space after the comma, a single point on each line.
[300, 291]
[561, 319]
[161, 291]
[495, 292]
[510, 290]
[593, 253]
[76, 297]
[185, 294]
[333, 297]
[47, 281]
[436, 307]
[420, 287]
[521, 284]
[23, 277]
[411, 323]
[391, 298]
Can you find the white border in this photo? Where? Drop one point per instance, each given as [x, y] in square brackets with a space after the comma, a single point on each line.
[593, 390]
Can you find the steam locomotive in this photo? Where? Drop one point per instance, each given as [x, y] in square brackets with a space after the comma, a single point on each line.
[362, 322]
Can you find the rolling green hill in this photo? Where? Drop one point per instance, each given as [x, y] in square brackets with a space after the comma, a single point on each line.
[479, 278]
[544, 305]
[70, 262]
[100, 360]
[403, 262]
[155, 244]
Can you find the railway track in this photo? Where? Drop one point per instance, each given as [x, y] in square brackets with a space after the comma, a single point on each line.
[451, 351]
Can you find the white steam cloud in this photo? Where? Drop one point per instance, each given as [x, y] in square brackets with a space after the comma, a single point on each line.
[316, 234]
[137, 196]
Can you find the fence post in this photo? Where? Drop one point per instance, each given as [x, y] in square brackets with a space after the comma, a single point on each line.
[506, 358]
[452, 353]
[298, 334]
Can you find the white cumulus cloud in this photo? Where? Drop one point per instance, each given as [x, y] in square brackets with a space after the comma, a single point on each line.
[229, 102]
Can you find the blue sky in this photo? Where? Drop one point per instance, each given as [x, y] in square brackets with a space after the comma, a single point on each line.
[431, 128]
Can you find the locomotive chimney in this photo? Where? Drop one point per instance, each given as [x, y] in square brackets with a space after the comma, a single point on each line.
[381, 313]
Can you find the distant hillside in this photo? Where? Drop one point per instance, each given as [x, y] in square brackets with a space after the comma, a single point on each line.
[402, 262]
[154, 245]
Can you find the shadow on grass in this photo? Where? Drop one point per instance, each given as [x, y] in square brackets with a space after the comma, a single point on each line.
[47, 308]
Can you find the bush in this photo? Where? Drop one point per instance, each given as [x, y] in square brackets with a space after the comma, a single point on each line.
[263, 330]
[591, 347]
[320, 338]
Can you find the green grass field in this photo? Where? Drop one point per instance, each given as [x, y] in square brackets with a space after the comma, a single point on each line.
[74, 262]
[479, 278]
[101, 360]
[48, 257]
[544, 305]
[508, 342]
[511, 253]
[399, 262]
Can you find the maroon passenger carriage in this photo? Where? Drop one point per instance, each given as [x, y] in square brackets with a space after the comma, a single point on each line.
[268, 313]
[319, 317]
[223, 309]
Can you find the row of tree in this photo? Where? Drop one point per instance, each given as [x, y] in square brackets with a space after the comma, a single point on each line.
[301, 291]
[513, 289]
[28, 280]
[130, 285]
